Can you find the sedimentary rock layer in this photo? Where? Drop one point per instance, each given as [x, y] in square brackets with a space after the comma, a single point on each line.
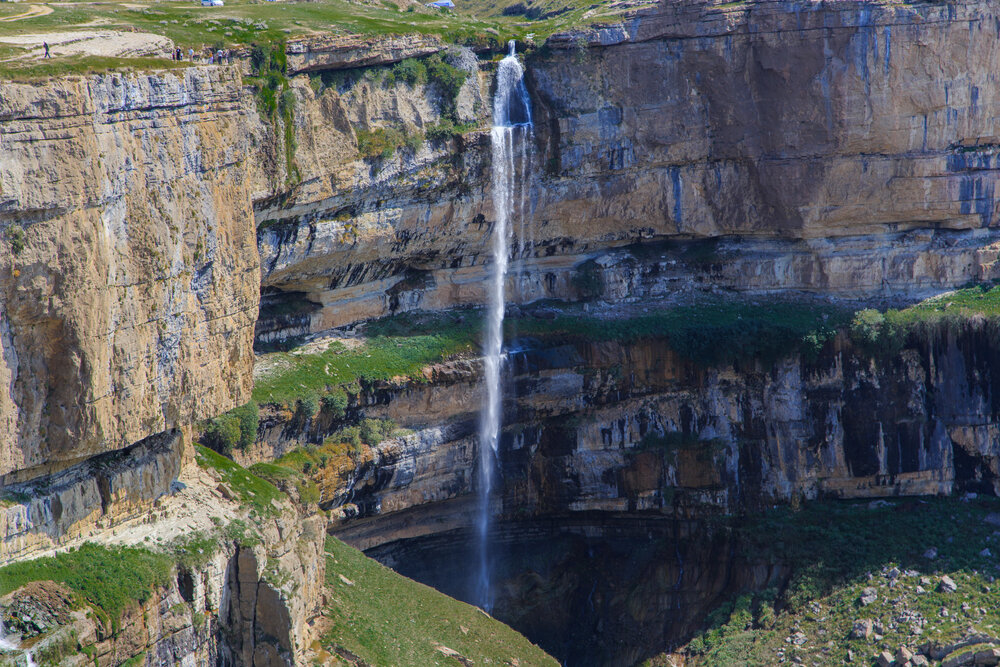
[128, 268]
[811, 130]
[608, 427]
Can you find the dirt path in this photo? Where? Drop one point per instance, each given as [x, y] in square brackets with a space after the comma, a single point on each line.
[110, 43]
[33, 11]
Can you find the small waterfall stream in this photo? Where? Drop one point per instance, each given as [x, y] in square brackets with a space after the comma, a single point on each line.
[510, 139]
[12, 642]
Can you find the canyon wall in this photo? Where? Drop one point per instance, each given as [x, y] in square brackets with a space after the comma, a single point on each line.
[634, 427]
[234, 605]
[844, 148]
[128, 269]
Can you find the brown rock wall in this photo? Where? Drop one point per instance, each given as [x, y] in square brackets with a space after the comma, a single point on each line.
[130, 309]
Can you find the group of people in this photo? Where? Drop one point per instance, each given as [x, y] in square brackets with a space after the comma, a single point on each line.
[204, 55]
[213, 57]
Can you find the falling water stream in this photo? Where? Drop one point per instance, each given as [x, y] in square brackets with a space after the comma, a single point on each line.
[12, 643]
[511, 154]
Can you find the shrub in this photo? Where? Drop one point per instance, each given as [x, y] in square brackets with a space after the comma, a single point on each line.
[334, 404]
[445, 129]
[414, 140]
[307, 407]
[380, 142]
[222, 434]
[878, 333]
[448, 80]
[308, 493]
[16, 237]
[374, 431]
[234, 429]
[411, 71]
[248, 416]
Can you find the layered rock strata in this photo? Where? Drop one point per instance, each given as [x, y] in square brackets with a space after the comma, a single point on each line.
[625, 428]
[128, 268]
[90, 497]
[841, 147]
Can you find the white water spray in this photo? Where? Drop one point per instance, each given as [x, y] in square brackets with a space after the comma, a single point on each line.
[510, 138]
[12, 642]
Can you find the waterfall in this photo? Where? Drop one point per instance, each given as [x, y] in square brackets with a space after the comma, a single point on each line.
[12, 642]
[510, 150]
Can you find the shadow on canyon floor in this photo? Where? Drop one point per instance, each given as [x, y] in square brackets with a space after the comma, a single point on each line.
[605, 589]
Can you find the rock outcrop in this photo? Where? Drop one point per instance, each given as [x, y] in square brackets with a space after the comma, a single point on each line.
[841, 147]
[89, 497]
[128, 268]
[322, 53]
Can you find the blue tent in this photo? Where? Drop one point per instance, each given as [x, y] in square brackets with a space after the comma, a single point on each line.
[448, 4]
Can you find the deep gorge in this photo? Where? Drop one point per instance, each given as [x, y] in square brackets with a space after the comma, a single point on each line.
[753, 282]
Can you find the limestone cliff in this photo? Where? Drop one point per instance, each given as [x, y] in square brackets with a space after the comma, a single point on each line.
[836, 147]
[128, 269]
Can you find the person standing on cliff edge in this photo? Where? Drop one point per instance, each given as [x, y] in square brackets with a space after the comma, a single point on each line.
[46, 45]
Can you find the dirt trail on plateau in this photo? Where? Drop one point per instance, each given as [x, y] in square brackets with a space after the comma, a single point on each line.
[33, 11]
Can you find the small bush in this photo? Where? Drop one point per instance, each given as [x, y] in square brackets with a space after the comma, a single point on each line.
[222, 434]
[374, 431]
[414, 140]
[248, 416]
[307, 407]
[335, 404]
[380, 142]
[234, 429]
[16, 237]
[448, 80]
[878, 333]
[445, 129]
[308, 493]
[411, 71]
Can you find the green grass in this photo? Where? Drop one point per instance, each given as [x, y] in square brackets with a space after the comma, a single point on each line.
[830, 548]
[386, 619]
[715, 330]
[886, 333]
[381, 357]
[712, 331]
[252, 491]
[480, 23]
[28, 70]
[108, 578]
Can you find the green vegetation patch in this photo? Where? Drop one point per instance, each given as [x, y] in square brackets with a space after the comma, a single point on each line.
[380, 357]
[837, 552]
[236, 429]
[108, 578]
[885, 333]
[28, 69]
[383, 142]
[252, 491]
[713, 331]
[387, 619]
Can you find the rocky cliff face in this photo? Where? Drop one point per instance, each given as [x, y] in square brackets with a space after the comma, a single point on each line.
[841, 147]
[626, 428]
[128, 269]
[234, 599]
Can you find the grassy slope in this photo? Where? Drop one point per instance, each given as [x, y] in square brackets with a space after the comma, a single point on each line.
[243, 22]
[108, 578]
[835, 550]
[387, 619]
[254, 492]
